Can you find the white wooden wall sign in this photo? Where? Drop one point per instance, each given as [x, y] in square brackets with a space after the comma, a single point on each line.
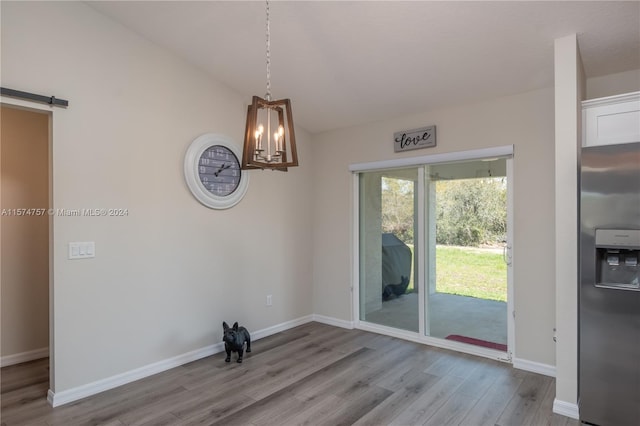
[406, 140]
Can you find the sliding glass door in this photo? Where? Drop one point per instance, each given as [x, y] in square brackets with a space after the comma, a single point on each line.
[433, 250]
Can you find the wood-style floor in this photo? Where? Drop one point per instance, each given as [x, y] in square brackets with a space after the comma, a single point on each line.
[313, 374]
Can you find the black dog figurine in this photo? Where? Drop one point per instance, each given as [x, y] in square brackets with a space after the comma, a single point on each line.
[234, 339]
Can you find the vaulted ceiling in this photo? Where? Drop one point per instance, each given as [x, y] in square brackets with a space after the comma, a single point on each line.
[345, 63]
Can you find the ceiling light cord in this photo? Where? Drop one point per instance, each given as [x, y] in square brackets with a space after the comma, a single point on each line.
[268, 95]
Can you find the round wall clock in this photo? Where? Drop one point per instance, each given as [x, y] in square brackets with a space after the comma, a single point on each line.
[212, 171]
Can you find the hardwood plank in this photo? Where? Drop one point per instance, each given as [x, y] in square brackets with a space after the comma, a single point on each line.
[26, 395]
[358, 338]
[367, 376]
[491, 405]
[164, 420]
[26, 374]
[333, 410]
[113, 422]
[352, 409]
[480, 380]
[453, 411]
[413, 364]
[287, 373]
[523, 405]
[414, 386]
[429, 402]
[464, 366]
[25, 406]
[281, 413]
[213, 409]
[315, 413]
[450, 363]
[187, 400]
[277, 377]
[359, 376]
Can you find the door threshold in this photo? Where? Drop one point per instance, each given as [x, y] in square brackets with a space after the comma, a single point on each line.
[437, 342]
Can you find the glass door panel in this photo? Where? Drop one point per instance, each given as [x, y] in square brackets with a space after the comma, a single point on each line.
[388, 208]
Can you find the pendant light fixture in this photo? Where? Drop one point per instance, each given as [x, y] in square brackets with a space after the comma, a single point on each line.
[270, 141]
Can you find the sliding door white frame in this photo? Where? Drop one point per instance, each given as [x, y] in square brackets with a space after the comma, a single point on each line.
[420, 336]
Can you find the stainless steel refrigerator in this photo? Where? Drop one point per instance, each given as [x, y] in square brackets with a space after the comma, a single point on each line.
[609, 317]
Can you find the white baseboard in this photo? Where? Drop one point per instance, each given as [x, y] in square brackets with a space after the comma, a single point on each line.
[70, 395]
[534, 367]
[567, 409]
[8, 360]
[257, 335]
[333, 321]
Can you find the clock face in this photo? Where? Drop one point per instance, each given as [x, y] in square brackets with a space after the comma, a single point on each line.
[219, 170]
[212, 171]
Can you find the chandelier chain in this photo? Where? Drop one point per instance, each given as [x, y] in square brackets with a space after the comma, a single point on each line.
[268, 95]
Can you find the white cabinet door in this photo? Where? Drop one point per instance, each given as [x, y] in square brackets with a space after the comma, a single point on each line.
[611, 120]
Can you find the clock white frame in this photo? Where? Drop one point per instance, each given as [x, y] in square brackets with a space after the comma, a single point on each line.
[192, 177]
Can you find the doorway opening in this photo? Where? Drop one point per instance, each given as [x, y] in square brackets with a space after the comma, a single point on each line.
[25, 241]
[467, 297]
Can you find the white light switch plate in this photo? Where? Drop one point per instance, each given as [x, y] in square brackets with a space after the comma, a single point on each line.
[82, 250]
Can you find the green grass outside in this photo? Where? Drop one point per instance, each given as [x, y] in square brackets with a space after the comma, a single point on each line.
[469, 271]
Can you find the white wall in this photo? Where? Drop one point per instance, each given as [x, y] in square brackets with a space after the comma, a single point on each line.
[524, 120]
[613, 84]
[166, 275]
[25, 238]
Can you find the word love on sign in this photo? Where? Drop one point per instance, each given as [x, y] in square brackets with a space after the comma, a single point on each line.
[424, 137]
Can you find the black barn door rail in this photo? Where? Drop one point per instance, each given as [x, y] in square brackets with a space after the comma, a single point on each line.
[50, 100]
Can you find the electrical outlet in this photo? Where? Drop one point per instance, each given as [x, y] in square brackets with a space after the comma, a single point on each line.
[269, 300]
